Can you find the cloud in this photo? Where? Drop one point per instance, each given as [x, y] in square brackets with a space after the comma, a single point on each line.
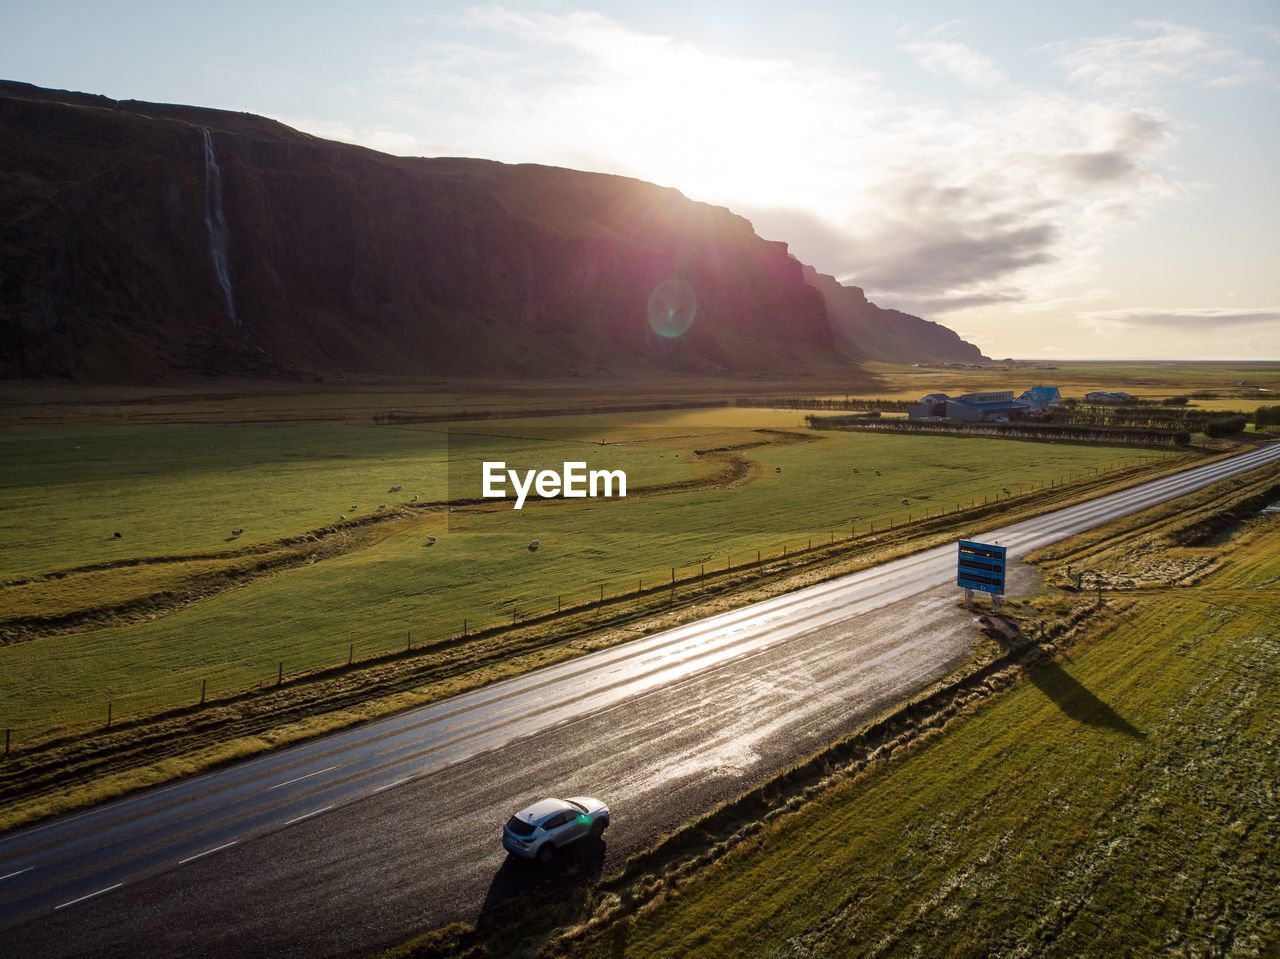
[929, 204]
[1156, 53]
[954, 58]
[1196, 319]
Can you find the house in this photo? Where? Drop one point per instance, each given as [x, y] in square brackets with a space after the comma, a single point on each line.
[1042, 397]
[933, 406]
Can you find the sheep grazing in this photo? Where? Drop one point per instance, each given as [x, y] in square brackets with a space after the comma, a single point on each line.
[354, 507]
[342, 516]
[533, 547]
[431, 541]
[116, 536]
[855, 469]
[906, 502]
[237, 531]
[413, 498]
[777, 469]
[877, 472]
[382, 506]
[395, 489]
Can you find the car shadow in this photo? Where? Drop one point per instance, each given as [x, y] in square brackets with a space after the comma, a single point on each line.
[549, 891]
[1076, 701]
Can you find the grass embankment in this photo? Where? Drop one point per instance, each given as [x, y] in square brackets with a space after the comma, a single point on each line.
[320, 604]
[1119, 800]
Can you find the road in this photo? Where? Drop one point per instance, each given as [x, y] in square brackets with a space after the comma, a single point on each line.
[360, 839]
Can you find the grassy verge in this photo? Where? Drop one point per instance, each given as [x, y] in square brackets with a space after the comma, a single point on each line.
[1119, 799]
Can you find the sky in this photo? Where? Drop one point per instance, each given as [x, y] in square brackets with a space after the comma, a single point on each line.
[1088, 180]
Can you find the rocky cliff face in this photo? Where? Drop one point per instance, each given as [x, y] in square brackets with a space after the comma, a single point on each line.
[139, 239]
[869, 332]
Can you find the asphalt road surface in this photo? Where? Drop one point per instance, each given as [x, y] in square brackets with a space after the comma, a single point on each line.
[360, 839]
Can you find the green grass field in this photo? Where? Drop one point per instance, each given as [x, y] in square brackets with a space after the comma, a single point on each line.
[179, 489]
[1121, 802]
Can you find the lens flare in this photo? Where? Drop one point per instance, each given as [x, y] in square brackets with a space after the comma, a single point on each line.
[672, 307]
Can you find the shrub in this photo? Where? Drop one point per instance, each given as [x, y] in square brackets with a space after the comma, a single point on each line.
[1175, 401]
[1224, 426]
[1267, 416]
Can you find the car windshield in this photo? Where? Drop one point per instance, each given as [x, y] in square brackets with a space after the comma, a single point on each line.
[519, 827]
[577, 805]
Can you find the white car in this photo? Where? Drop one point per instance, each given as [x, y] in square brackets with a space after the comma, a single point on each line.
[537, 831]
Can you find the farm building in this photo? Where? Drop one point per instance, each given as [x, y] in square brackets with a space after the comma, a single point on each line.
[971, 407]
[1108, 398]
[932, 406]
[1042, 397]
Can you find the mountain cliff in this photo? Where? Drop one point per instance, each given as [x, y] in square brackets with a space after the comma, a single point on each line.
[141, 239]
[869, 332]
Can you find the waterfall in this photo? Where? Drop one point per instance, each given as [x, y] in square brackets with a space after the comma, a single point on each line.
[216, 221]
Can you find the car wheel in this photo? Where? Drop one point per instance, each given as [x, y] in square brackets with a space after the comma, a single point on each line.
[598, 827]
[546, 852]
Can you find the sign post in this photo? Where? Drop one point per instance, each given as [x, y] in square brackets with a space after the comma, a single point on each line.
[981, 566]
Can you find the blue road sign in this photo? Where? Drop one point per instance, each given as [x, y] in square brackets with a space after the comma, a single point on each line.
[980, 566]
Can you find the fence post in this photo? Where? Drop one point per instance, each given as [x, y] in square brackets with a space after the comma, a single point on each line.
[408, 640]
[109, 704]
[7, 734]
[351, 653]
[280, 674]
[757, 556]
[673, 574]
[558, 599]
[203, 685]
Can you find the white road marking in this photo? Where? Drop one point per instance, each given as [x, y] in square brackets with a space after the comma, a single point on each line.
[290, 782]
[90, 896]
[396, 783]
[308, 815]
[18, 873]
[207, 852]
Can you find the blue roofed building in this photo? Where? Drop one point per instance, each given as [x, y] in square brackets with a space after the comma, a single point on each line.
[991, 407]
[1042, 397]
